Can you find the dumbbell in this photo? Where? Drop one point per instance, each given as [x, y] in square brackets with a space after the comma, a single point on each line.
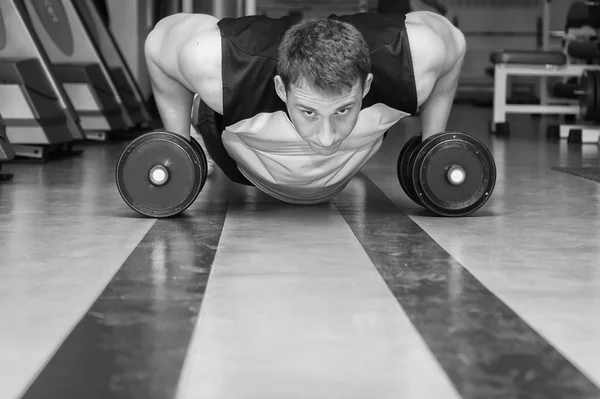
[586, 91]
[449, 173]
[589, 87]
[160, 174]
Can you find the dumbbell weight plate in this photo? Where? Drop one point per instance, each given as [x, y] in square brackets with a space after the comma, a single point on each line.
[160, 174]
[587, 101]
[457, 194]
[404, 168]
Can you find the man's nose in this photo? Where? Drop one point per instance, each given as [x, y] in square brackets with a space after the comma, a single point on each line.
[326, 134]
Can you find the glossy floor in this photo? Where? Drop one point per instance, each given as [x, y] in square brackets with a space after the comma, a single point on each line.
[367, 296]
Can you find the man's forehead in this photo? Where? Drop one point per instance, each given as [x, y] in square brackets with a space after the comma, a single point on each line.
[303, 89]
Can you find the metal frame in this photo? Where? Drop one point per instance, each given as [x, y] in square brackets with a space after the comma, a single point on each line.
[501, 73]
[548, 104]
[589, 133]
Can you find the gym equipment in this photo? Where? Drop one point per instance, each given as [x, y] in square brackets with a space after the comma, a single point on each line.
[567, 90]
[5, 176]
[584, 50]
[587, 99]
[582, 21]
[6, 151]
[453, 174]
[121, 75]
[574, 133]
[586, 91]
[79, 66]
[102, 8]
[160, 174]
[529, 63]
[578, 15]
[35, 109]
[404, 169]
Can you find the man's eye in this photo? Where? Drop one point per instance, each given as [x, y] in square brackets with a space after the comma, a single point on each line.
[309, 113]
[343, 111]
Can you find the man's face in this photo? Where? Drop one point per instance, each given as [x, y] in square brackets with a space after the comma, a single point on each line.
[323, 120]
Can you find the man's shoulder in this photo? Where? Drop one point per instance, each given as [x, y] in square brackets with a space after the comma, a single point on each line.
[434, 40]
[174, 35]
[199, 32]
[198, 61]
[180, 28]
[436, 47]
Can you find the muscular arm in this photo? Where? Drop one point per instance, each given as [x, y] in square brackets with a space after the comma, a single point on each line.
[438, 59]
[171, 51]
[173, 100]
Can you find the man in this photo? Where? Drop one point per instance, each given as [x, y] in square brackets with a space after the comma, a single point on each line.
[297, 110]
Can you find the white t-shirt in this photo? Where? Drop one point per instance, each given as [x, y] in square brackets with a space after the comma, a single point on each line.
[274, 157]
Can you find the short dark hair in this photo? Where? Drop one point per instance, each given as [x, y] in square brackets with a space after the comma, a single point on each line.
[328, 54]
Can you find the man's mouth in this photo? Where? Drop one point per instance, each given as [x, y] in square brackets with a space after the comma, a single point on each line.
[317, 149]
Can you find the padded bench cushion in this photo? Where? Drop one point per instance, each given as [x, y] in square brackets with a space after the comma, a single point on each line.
[528, 57]
[585, 50]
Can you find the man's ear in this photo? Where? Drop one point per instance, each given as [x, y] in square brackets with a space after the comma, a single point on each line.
[280, 88]
[367, 85]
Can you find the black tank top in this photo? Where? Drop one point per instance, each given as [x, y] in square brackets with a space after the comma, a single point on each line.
[249, 64]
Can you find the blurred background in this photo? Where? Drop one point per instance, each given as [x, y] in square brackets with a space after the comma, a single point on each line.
[487, 24]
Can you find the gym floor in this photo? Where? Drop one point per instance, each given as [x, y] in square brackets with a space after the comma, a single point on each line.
[367, 296]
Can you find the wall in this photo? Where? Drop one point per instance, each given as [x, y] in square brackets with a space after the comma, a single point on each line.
[482, 21]
[310, 8]
[131, 21]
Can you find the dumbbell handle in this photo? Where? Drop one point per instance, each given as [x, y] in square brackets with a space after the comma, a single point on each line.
[579, 92]
[158, 175]
[456, 175]
[592, 3]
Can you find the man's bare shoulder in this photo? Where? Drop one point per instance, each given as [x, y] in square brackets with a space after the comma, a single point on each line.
[187, 47]
[178, 33]
[201, 53]
[436, 47]
[433, 39]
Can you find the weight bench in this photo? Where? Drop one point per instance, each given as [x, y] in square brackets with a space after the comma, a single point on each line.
[530, 63]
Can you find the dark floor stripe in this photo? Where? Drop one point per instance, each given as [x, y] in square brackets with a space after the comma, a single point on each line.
[485, 348]
[133, 340]
[590, 173]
